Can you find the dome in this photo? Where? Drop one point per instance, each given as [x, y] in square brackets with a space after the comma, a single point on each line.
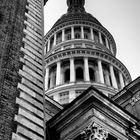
[76, 12]
[76, 16]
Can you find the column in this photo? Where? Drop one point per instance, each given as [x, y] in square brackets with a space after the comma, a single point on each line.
[72, 70]
[63, 35]
[48, 48]
[82, 32]
[100, 71]
[107, 45]
[100, 38]
[72, 32]
[54, 43]
[86, 70]
[51, 80]
[46, 78]
[58, 73]
[121, 80]
[113, 79]
[92, 35]
[111, 48]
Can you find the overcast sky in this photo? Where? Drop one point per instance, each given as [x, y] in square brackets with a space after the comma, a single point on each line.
[120, 17]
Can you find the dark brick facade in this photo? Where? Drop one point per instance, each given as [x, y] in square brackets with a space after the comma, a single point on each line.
[11, 34]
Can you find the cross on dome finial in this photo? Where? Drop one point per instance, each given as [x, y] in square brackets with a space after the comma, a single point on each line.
[75, 6]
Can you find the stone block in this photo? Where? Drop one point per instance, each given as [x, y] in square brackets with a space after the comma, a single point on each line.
[31, 72]
[29, 59]
[30, 78]
[30, 117]
[30, 92]
[29, 107]
[32, 101]
[29, 125]
[29, 134]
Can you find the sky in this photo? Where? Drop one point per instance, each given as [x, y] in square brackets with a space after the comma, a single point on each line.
[120, 17]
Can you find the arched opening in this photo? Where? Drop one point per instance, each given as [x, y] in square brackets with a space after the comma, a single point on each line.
[79, 74]
[77, 35]
[67, 76]
[92, 74]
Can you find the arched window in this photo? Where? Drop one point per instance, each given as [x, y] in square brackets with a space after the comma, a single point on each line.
[85, 36]
[79, 74]
[67, 76]
[77, 35]
[92, 74]
[68, 37]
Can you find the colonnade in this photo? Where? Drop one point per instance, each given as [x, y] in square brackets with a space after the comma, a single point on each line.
[92, 34]
[108, 79]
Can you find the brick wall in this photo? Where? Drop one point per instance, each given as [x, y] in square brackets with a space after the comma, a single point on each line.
[11, 34]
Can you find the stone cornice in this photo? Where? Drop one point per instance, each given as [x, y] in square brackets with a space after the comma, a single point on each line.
[98, 54]
[72, 23]
[81, 86]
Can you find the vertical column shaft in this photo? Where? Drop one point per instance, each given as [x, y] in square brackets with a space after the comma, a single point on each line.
[82, 32]
[54, 43]
[113, 79]
[107, 45]
[58, 73]
[86, 70]
[46, 78]
[121, 80]
[63, 35]
[48, 48]
[100, 38]
[72, 32]
[100, 71]
[92, 35]
[72, 70]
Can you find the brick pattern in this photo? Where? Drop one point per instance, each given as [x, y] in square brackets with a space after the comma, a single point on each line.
[11, 27]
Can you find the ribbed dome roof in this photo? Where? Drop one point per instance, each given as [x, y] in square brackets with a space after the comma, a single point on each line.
[76, 12]
[76, 16]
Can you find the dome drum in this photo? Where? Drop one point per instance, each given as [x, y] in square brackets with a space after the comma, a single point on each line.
[79, 70]
[77, 32]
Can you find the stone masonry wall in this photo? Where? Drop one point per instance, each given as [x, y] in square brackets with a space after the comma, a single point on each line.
[11, 34]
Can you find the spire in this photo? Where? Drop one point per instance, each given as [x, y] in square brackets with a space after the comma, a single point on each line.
[76, 6]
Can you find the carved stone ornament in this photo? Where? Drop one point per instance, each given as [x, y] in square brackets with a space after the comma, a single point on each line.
[94, 132]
